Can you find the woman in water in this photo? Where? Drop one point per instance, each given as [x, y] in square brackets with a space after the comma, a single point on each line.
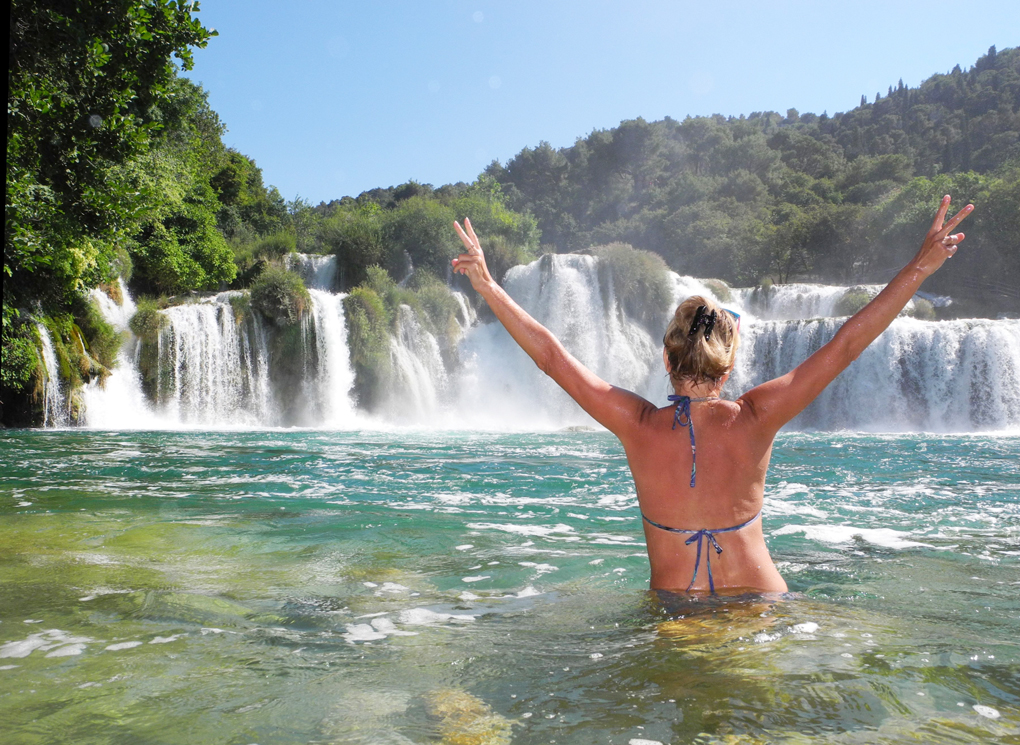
[703, 497]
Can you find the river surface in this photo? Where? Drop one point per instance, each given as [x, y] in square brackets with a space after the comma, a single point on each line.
[413, 586]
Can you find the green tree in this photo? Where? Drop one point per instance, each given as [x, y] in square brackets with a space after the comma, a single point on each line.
[85, 80]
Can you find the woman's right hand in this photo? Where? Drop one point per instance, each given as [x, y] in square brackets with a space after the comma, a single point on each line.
[471, 263]
[940, 243]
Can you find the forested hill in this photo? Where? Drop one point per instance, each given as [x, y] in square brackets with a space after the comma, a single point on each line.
[840, 198]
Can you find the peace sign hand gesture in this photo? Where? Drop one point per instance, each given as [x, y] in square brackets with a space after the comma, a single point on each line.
[471, 263]
[939, 244]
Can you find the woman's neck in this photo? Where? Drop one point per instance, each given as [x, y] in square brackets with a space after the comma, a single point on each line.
[710, 389]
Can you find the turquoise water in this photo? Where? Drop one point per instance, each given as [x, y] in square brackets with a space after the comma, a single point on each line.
[435, 587]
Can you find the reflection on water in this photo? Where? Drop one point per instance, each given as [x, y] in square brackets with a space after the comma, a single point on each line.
[356, 588]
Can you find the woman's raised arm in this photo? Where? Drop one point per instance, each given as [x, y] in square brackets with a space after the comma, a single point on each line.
[778, 401]
[614, 408]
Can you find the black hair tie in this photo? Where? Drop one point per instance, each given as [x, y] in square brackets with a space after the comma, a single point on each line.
[701, 318]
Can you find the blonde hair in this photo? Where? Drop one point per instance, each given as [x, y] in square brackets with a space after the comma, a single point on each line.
[693, 357]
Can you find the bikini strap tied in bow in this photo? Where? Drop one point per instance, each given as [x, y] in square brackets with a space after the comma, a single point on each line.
[699, 536]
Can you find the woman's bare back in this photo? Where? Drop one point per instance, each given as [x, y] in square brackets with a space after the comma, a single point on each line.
[731, 465]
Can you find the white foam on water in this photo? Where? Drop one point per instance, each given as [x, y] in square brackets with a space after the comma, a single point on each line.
[840, 534]
[642, 741]
[477, 578]
[808, 627]
[426, 617]
[165, 639]
[539, 568]
[393, 587]
[386, 626]
[51, 639]
[986, 711]
[362, 632]
[528, 592]
[123, 645]
[22, 648]
[8, 667]
[539, 530]
[69, 650]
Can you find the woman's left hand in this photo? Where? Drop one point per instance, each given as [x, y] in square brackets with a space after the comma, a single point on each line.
[471, 263]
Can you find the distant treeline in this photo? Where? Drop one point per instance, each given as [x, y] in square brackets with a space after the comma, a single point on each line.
[842, 198]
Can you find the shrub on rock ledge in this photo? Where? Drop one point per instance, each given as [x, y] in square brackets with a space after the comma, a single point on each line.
[640, 280]
[280, 296]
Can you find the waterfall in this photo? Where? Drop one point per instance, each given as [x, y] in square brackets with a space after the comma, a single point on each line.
[213, 366]
[501, 386]
[328, 389]
[793, 301]
[318, 271]
[119, 402]
[918, 375]
[419, 374]
[54, 403]
[217, 363]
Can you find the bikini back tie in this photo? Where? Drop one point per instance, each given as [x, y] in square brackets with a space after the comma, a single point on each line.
[683, 418]
[700, 536]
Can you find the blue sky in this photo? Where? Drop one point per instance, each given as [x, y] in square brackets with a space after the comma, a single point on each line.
[333, 98]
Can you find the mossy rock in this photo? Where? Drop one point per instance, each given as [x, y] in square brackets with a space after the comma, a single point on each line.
[852, 301]
[97, 336]
[280, 296]
[147, 321]
[241, 305]
[720, 289]
[501, 255]
[368, 338]
[923, 310]
[639, 280]
[438, 306]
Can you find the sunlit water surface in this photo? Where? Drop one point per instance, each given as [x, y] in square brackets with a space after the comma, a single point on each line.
[434, 587]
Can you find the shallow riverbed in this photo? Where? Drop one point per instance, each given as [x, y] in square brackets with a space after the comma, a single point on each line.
[420, 587]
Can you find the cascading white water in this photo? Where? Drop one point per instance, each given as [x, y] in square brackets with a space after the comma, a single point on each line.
[328, 390]
[54, 403]
[501, 386]
[918, 375]
[214, 367]
[119, 402]
[318, 271]
[419, 374]
[793, 301]
[466, 316]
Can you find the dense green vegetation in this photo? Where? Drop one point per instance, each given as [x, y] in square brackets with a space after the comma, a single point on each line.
[116, 168]
[841, 198]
